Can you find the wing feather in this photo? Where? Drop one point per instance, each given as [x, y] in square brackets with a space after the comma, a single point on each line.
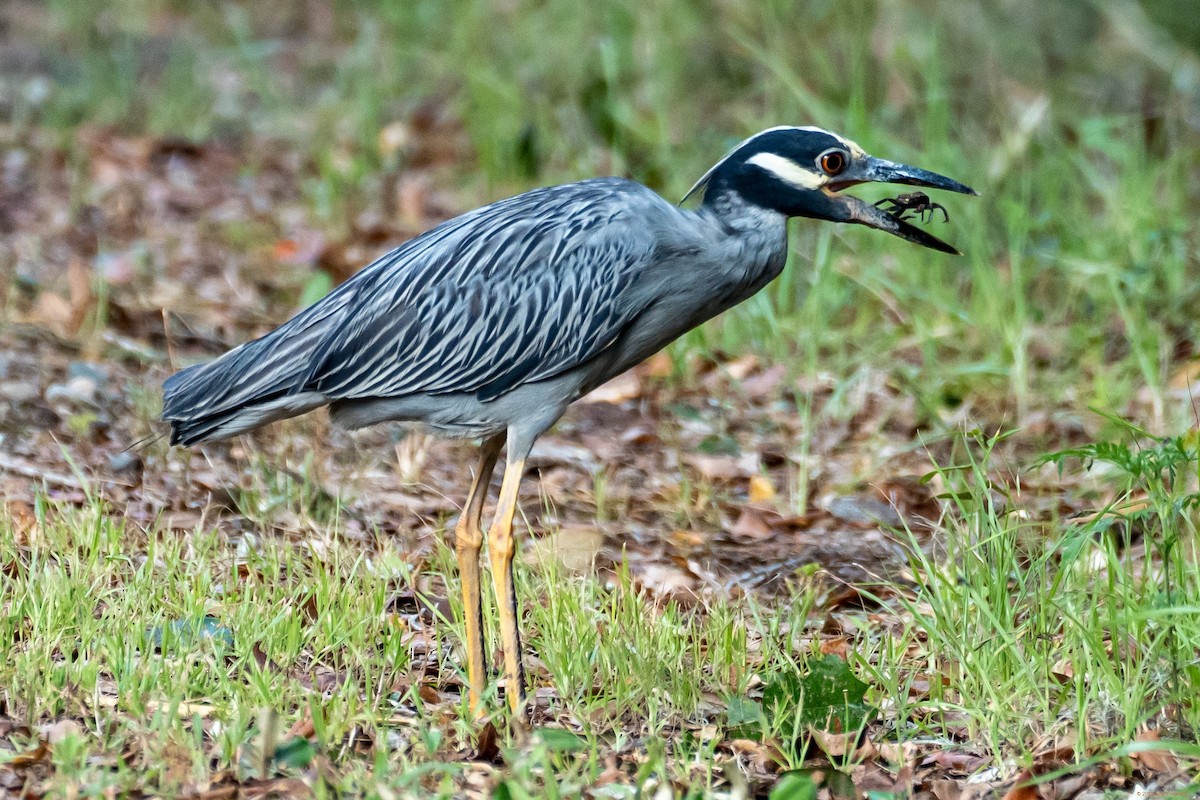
[532, 288]
[517, 291]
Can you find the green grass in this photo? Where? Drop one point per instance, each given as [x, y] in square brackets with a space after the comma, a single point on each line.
[1080, 635]
[186, 637]
[165, 639]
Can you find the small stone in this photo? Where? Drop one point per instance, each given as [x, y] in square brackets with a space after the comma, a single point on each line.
[76, 390]
[116, 268]
[15, 162]
[124, 460]
[97, 373]
[16, 392]
[56, 732]
[863, 509]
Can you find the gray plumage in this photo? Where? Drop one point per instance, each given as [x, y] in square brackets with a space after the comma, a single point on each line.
[496, 320]
[558, 288]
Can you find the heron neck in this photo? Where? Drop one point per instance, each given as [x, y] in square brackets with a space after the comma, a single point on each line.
[754, 239]
[731, 210]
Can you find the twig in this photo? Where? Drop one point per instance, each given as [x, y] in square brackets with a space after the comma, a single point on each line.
[27, 470]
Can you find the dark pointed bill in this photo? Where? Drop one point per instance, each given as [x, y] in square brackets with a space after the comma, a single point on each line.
[878, 170]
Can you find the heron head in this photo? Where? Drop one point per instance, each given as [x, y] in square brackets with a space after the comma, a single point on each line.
[800, 172]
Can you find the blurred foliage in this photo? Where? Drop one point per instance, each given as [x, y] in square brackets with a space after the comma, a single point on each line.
[556, 89]
[1079, 122]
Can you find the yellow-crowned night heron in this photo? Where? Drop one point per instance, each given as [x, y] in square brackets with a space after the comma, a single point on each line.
[491, 324]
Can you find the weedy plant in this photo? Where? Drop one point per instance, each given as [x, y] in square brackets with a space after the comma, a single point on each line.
[1041, 634]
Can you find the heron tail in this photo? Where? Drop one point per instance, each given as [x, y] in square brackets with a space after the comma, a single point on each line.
[258, 382]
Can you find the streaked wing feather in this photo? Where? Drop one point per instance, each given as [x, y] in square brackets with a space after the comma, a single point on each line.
[533, 287]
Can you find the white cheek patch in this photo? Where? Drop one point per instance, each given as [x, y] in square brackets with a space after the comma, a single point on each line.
[788, 171]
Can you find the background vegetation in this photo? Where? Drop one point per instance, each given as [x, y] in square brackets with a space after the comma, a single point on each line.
[1070, 323]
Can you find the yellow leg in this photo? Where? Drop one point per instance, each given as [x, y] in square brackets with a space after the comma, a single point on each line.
[468, 539]
[501, 548]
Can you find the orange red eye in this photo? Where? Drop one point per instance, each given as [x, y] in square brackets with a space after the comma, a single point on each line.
[833, 162]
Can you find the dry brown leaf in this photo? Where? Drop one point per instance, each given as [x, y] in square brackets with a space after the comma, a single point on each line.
[393, 137]
[30, 757]
[575, 548]
[1072, 785]
[611, 774]
[487, 742]
[79, 286]
[954, 761]
[51, 311]
[758, 754]
[1187, 376]
[556, 452]
[946, 790]
[11, 781]
[761, 489]
[625, 386]
[412, 201]
[1155, 760]
[739, 368]
[918, 687]
[869, 776]
[717, 468]
[667, 580]
[1054, 752]
[302, 728]
[834, 745]
[898, 754]
[1021, 788]
[759, 386]
[837, 646]
[55, 732]
[751, 525]
[285, 250]
[658, 365]
[188, 520]
[308, 608]
[685, 540]
[844, 596]
[176, 759]
[23, 520]
[225, 792]
[276, 787]
[263, 660]
[639, 435]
